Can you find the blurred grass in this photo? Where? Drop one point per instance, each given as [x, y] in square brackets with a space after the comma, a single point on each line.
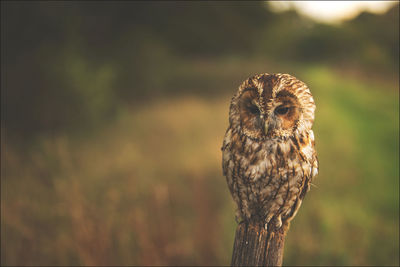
[148, 189]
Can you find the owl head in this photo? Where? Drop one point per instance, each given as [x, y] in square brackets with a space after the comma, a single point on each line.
[268, 106]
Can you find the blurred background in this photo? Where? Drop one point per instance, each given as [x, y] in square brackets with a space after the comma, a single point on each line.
[113, 115]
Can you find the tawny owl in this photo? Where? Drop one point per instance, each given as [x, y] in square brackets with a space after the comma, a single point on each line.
[268, 154]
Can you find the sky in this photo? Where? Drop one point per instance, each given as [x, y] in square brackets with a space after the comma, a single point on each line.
[332, 11]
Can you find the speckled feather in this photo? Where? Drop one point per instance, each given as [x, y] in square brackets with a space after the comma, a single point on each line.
[268, 151]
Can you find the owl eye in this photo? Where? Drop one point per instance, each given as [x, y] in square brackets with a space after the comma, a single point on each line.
[254, 110]
[281, 110]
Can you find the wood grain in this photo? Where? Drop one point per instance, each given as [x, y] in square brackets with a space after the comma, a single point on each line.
[255, 246]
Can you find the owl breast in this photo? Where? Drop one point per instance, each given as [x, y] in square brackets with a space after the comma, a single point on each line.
[268, 179]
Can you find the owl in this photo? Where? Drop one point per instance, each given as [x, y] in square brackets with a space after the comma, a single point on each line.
[268, 155]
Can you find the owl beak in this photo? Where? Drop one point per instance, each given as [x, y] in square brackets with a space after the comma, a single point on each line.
[266, 126]
[265, 120]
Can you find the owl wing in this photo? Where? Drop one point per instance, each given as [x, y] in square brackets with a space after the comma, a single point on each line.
[226, 154]
[314, 159]
[227, 162]
[308, 177]
[314, 166]
[313, 162]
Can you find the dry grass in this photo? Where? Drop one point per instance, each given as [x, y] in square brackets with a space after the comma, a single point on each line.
[138, 193]
[148, 189]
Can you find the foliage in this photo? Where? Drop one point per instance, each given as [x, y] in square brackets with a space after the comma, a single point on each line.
[56, 53]
[148, 189]
[113, 116]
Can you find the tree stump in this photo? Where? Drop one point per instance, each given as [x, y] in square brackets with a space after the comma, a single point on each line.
[256, 246]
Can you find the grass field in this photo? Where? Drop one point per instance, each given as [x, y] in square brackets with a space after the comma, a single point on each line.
[148, 188]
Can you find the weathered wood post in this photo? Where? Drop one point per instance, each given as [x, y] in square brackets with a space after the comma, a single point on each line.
[256, 246]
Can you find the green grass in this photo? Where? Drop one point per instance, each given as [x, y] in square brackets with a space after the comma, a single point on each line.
[351, 218]
[149, 190]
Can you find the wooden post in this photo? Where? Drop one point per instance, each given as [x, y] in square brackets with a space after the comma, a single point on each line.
[255, 246]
